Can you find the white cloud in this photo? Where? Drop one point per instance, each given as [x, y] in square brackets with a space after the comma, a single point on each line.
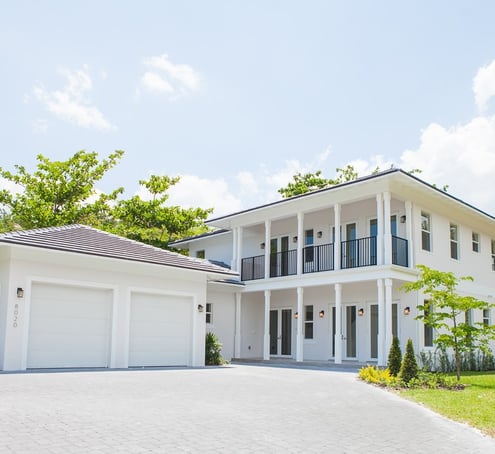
[462, 157]
[484, 86]
[40, 125]
[165, 77]
[72, 103]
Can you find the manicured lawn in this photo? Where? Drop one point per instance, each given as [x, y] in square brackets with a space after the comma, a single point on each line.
[475, 405]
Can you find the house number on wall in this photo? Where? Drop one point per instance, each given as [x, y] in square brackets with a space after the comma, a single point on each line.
[16, 314]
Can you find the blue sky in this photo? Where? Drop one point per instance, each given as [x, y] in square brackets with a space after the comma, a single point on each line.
[236, 96]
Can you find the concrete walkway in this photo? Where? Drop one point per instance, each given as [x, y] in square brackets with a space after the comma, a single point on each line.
[234, 409]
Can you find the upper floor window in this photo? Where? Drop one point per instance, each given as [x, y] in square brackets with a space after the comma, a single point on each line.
[454, 243]
[493, 255]
[486, 317]
[425, 231]
[468, 317]
[200, 254]
[308, 322]
[209, 313]
[308, 243]
[476, 241]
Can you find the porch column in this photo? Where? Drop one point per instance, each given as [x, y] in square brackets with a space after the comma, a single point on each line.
[300, 336]
[409, 234]
[268, 235]
[379, 229]
[300, 241]
[382, 361]
[238, 249]
[338, 324]
[387, 237]
[237, 335]
[388, 315]
[233, 263]
[266, 337]
[336, 243]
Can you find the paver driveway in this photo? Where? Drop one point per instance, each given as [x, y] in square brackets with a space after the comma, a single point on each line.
[233, 409]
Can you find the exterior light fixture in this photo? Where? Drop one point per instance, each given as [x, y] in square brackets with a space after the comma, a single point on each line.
[322, 313]
[201, 308]
[403, 219]
[294, 239]
[319, 234]
[262, 245]
[361, 312]
[296, 315]
[20, 292]
[407, 310]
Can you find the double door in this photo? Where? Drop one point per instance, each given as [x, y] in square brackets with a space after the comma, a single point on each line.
[349, 331]
[280, 332]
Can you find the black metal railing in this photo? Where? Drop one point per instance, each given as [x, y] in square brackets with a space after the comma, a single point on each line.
[318, 258]
[357, 253]
[283, 263]
[253, 268]
[399, 251]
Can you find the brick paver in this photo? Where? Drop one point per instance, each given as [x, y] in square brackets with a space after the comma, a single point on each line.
[234, 409]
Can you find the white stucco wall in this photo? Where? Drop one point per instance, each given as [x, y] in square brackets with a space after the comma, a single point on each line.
[29, 265]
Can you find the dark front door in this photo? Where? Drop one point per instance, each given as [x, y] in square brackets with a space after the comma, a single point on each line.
[281, 332]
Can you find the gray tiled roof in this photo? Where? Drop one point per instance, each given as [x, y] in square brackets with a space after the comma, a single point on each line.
[82, 239]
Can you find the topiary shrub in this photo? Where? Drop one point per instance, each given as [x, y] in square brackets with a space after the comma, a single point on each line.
[409, 366]
[394, 357]
[213, 349]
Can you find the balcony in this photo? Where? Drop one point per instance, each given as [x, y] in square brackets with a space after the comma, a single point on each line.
[353, 254]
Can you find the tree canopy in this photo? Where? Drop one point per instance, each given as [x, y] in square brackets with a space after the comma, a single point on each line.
[63, 192]
[446, 311]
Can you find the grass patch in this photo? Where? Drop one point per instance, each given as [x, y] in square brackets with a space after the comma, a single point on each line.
[475, 405]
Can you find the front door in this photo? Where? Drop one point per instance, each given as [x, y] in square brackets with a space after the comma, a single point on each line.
[280, 332]
[350, 331]
[374, 328]
[279, 256]
[349, 259]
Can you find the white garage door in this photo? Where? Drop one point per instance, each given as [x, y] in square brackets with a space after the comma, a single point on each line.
[69, 327]
[160, 330]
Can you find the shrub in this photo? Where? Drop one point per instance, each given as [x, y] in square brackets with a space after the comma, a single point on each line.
[213, 349]
[394, 357]
[409, 366]
[373, 374]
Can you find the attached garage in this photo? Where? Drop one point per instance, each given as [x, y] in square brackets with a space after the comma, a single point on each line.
[69, 327]
[160, 330]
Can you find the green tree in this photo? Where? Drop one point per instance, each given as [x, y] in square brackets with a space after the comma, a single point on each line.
[409, 366]
[58, 192]
[394, 357]
[153, 221]
[213, 350]
[445, 310]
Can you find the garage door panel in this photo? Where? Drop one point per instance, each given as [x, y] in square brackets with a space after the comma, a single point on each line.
[160, 330]
[69, 327]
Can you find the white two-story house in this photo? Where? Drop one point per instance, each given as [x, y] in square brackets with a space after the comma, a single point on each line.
[323, 271]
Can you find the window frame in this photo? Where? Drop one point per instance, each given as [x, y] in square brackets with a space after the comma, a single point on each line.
[475, 240]
[201, 254]
[493, 255]
[426, 231]
[209, 313]
[309, 322]
[487, 317]
[454, 241]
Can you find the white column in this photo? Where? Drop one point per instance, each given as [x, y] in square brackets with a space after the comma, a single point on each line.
[336, 245]
[239, 249]
[338, 324]
[233, 263]
[300, 241]
[268, 235]
[382, 357]
[409, 233]
[387, 237]
[300, 336]
[266, 337]
[388, 315]
[379, 229]
[237, 334]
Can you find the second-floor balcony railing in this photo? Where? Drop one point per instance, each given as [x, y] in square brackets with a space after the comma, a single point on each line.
[353, 254]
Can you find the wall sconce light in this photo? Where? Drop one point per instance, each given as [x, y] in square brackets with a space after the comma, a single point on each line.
[322, 313]
[201, 308]
[361, 312]
[407, 310]
[319, 234]
[262, 245]
[296, 315]
[294, 239]
[20, 292]
[403, 219]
